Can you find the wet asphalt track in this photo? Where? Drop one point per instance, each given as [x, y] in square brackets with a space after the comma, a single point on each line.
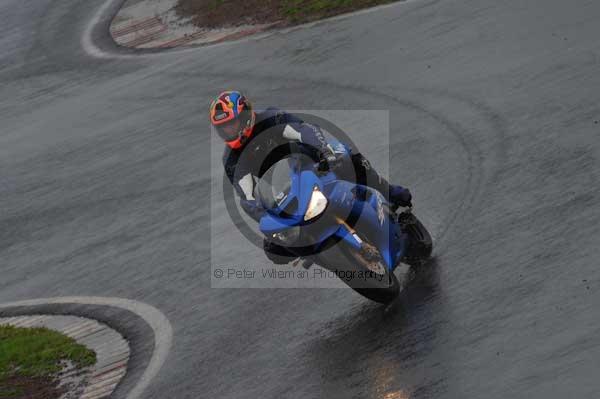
[495, 110]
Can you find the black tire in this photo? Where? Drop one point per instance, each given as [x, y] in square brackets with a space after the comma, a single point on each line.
[345, 261]
[420, 242]
[383, 290]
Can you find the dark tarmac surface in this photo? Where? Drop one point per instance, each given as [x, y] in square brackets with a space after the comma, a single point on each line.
[495, 124]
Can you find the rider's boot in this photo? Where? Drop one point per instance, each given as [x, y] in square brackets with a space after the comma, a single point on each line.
[397, 196]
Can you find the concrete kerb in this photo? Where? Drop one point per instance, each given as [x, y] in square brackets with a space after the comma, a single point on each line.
[148, 332]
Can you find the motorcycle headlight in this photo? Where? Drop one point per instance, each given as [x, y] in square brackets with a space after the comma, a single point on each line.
[316, 206]
[287, 237]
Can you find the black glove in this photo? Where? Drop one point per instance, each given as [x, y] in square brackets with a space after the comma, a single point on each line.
[400, 196]
[329, 161]
[252, 209]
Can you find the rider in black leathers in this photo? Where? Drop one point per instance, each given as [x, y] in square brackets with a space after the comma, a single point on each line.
[256, 141]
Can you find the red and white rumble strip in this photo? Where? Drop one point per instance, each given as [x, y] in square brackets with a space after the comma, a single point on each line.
[154, 24]
[112, 353]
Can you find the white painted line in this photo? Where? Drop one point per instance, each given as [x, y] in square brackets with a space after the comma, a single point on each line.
[86, 39]
[163, 331]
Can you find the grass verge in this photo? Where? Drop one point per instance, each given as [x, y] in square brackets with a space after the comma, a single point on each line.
[31, 358]
[226, 13]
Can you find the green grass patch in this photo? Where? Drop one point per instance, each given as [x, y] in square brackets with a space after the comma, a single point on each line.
[219, 13]
[37, 352]
[308, 8]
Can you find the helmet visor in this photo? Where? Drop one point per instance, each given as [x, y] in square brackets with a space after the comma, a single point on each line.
[231, 130]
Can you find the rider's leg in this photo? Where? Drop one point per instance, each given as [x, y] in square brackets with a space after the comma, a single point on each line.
[368, 176]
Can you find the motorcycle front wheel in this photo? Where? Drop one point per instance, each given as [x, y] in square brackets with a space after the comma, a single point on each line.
[363, 271]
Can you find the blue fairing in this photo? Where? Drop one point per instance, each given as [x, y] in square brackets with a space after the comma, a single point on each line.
[346, 213]
[270, 224]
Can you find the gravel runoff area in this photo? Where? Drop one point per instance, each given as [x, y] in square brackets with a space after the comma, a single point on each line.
[112, 353]
[174, 23]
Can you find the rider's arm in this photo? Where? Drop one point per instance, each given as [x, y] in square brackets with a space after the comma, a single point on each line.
[244, 187]
[295, 129]
[308, 134]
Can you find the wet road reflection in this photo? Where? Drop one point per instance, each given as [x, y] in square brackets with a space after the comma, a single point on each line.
[383, 352]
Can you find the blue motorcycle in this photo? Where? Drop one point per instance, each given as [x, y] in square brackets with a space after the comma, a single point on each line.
[321, 216]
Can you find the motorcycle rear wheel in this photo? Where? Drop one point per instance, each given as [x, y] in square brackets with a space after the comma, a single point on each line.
[420, 243]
